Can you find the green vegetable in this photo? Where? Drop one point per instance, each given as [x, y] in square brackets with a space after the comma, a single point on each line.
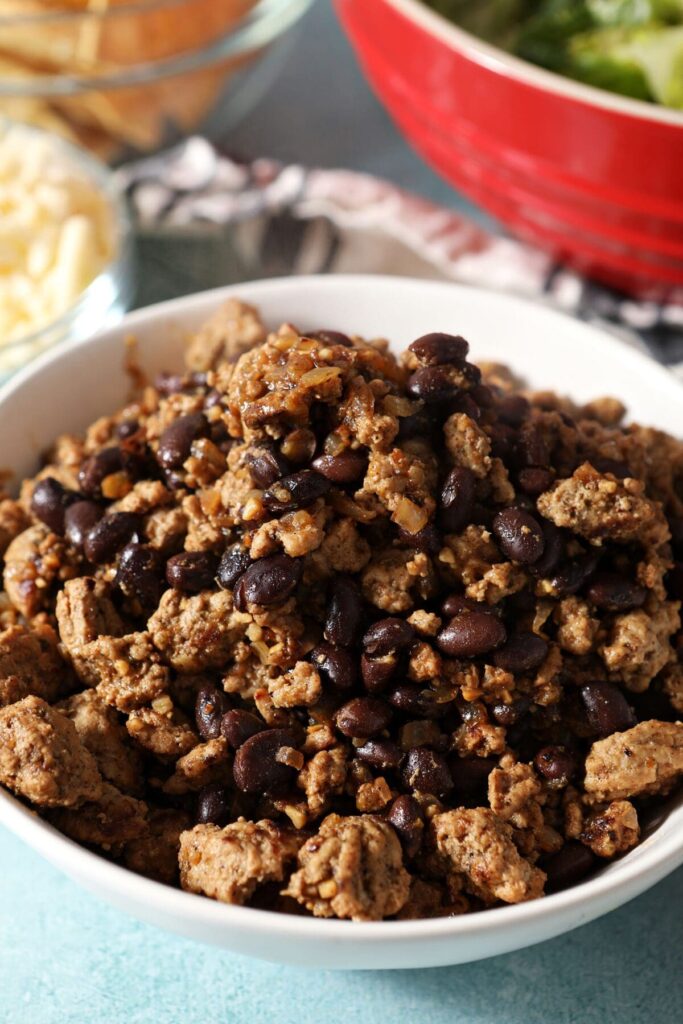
[632, 47]
[655, 52]
[493, 20]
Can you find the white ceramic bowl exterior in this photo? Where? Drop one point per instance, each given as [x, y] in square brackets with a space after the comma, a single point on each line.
[65, 390]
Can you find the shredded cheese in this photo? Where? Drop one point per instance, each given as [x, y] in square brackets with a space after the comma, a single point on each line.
[57, 232]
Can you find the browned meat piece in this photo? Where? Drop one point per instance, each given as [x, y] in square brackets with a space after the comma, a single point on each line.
[166, 734]
[31, 664]
[233, 329]
[352, 868]
[229, 864]
[645, 759]
[198, 632]
[42, 757]
[155, 852]
[479, 845]
[35, 562]
[110, 820]
[612, 831]
[599, 507]
[13, 521]
[105, 737]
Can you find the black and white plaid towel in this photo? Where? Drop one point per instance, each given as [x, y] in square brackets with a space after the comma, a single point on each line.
[221, 221]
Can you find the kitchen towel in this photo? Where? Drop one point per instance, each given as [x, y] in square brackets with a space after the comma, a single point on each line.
[289, 219]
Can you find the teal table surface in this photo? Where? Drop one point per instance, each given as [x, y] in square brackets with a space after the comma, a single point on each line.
[67, 958]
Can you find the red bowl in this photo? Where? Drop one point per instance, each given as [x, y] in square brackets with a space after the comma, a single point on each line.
[595, 178]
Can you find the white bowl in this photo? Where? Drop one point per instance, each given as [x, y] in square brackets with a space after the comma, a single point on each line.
[64, 390]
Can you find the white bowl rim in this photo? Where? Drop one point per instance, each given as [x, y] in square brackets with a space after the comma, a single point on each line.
[498, 60]
[658, 854]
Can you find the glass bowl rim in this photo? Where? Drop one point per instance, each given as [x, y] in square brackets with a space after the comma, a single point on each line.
[259, 26]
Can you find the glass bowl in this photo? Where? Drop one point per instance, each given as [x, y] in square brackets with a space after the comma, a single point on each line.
[126, 76]
[107, 297]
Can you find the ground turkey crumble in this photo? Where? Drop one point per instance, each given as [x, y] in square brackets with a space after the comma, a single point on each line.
[314, 629]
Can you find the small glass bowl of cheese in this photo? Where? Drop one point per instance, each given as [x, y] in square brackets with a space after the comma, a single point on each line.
[65, 245]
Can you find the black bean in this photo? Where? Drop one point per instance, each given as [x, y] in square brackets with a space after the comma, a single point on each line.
[362, 717]
[299, 445]
[653, 703]
[265, 463]
[335, 664]
[234, 562]
[465, 403]
[606, 708]
[552, 552]
[510, 714]
[173, 480]
[376, 672]
[436, 349]
[256, 768]
[139, 574]
[109, 535]
[387, 635]
[412, 700]
[482, 515]
[556, 765]
[650, 818]
[616, 467]
[572, 576]
[407, 817]
[425, 771]
[169, 383]
[534, 480]
[456, 603]
[472, 374]
[676, 527]
[269, 580]
[615, 593]
[213, 806]
[674, 582]
[210, 706]
[79, 519]
[471, 633]
[419, 424]
[470, 780]
[512, 409]
[433, 384]
[126, 429]
[238, 725]
[213, 398]
[345, 468]
[191, 571]
[382, 754]
[457, 499]
[519, 535]
[427, 539]
[522, 653]
[531, 448]
[344, 612]
[521, 603]
[175, 444]
[332, 338]
[50, 501]
[296, 491]
[98, 466]
[502, 440]
[568, 866]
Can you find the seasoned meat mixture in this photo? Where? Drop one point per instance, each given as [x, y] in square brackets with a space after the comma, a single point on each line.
[314, 629]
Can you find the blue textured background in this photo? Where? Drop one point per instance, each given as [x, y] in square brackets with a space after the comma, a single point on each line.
[66, 958]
